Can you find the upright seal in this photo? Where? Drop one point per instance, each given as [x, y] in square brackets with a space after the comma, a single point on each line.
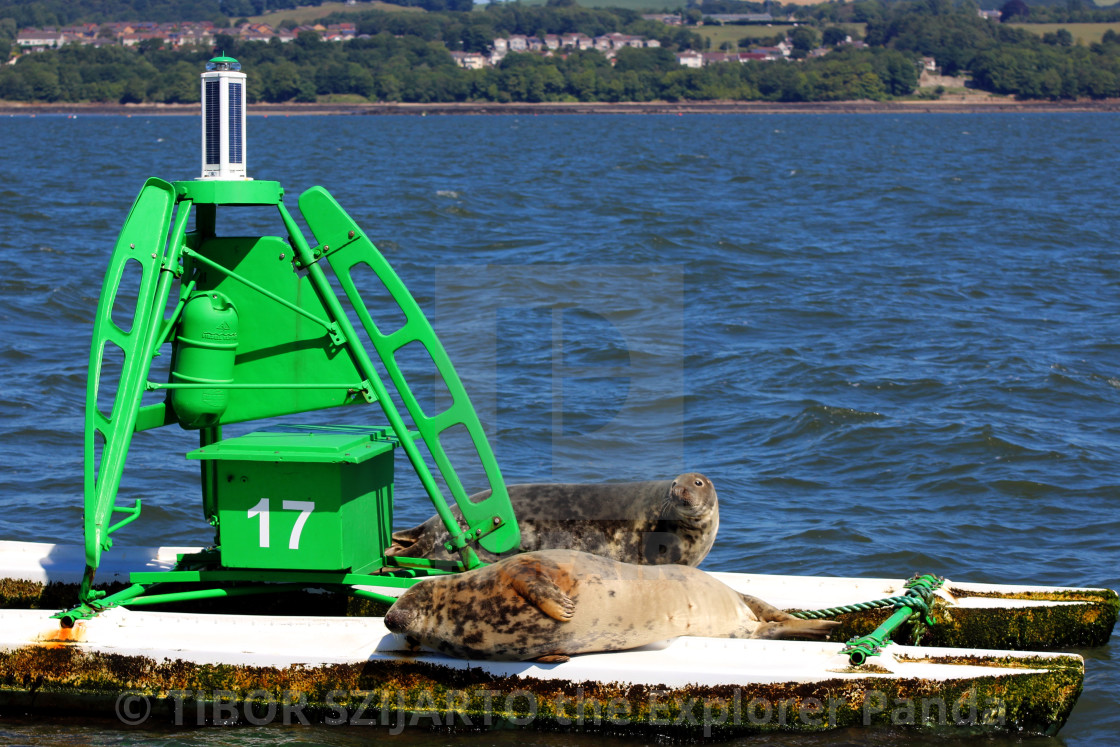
[651, 523]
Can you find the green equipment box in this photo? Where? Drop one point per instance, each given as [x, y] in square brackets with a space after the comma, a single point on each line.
[304, 497]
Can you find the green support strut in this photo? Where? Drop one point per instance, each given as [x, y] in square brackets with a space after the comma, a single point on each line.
[916, 601]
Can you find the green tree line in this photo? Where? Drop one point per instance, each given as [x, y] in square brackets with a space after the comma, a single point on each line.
[406, 58]
[390, 68]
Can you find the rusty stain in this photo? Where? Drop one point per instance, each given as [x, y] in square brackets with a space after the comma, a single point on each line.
[60, 636]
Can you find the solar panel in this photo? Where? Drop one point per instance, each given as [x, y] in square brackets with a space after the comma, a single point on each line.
[235, 122]
[212, 122]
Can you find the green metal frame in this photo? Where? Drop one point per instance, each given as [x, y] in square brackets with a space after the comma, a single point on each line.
[915, 602]
[342, 371]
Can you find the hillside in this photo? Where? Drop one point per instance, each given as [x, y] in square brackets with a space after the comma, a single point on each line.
[567, 53]
[312, 13]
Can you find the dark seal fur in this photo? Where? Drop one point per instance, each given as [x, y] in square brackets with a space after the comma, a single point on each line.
[657, 522]
[551, 604]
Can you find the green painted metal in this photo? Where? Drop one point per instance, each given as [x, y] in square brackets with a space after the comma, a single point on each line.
[366, 594]
[285, 332]
[309, 259]
[916, 602]
[344, 244]
[148, 600]
[140, 246]
[237, 192]
[308, 578]
[304, 501]
[257, 331]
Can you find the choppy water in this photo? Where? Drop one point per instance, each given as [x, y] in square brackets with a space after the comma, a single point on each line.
[891, 341]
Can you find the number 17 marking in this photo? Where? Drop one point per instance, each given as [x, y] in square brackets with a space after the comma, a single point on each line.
[262, 510]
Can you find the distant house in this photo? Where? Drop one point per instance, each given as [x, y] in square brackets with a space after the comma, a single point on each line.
[469, 60]
[579, 41]
[256, 35]
[131, 40]
[775, 53]
[690, 58]
[39, 39]
[518, 43]
[618, 41]
[768, 53]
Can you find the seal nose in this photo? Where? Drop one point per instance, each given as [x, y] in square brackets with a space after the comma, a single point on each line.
[398, 618]
[681, 492]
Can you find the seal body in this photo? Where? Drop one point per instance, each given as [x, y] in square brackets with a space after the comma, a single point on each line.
[656, 522]
[550, 604]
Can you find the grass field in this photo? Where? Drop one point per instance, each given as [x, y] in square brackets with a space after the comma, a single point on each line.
[721, 34]
[1083, 33]
[732, 34]
[310, 13]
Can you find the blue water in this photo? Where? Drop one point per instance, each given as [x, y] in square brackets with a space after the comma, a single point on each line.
[891, 341]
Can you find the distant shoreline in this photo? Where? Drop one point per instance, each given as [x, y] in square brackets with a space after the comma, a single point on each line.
[949, 104]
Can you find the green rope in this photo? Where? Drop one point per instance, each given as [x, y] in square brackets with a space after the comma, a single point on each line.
[904, 599]
[857, 607]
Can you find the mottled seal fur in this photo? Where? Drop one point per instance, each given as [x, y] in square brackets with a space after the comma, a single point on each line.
[550, 604]
[663, 521]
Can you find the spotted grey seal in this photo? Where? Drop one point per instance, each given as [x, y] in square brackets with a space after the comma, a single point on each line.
[662, 521]
[551, 604]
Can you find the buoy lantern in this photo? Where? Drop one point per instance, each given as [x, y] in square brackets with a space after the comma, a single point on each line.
[223, 120]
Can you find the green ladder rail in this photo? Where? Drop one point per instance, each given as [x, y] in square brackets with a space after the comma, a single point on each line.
[346, 247]
[324, 365]
[142, 241]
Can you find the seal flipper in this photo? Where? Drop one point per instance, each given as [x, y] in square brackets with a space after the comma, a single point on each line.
[765, 611]
[818, 630]
[404, 541]
[778, 623]
[541, 583]
[552, 659]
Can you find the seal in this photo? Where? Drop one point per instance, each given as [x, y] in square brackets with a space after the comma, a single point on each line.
[656, 522]
[551, 604]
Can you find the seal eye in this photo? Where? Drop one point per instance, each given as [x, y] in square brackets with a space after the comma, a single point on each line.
[699, 483]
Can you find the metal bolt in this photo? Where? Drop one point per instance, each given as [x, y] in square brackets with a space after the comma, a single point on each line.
[350, 235]
[281, 255]
[326, 248]
[132, 246]
[497, 520]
